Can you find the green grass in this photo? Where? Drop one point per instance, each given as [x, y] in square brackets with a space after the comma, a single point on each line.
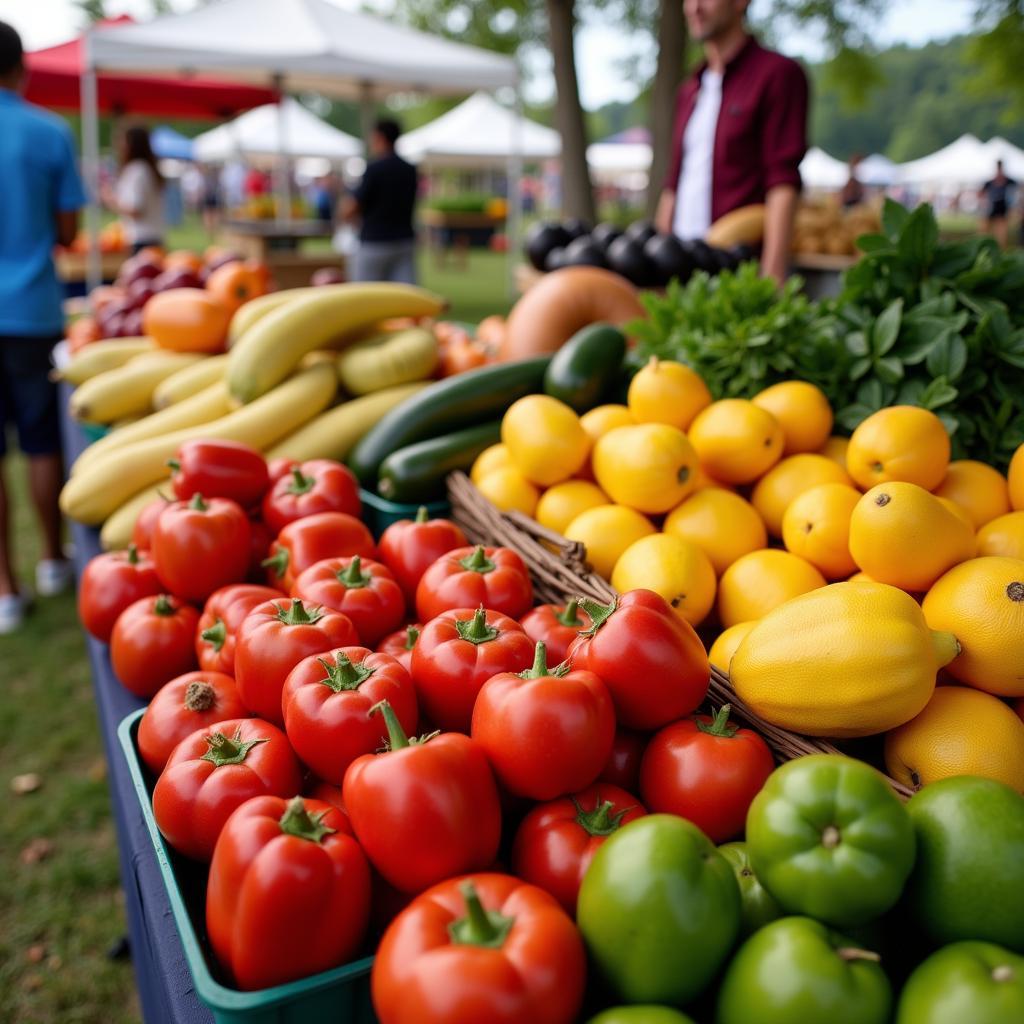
[60, 915]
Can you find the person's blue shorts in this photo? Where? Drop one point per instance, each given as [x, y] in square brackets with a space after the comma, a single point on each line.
[28, 398]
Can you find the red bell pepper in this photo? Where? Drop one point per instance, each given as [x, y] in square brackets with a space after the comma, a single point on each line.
[545, 733]
[425, 809]
[223, 613]
[651, 660]
[319, 485]
[470, 577]
[555, 627]
[487, 948]
[400, 644]
[109, 583]
[457, 653]
[288, 894]
[410, 546]
[622, 768]
[219, 469]
[312, 539]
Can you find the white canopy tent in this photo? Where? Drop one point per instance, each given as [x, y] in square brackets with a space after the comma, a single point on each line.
[964, 163]
[1011, 155]
[626, 164]
[299, 44]
[291, 131]
[479, 132]
[877, 170]
[819, 170]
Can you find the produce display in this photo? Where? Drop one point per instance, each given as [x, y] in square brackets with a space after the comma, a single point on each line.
[392, 742]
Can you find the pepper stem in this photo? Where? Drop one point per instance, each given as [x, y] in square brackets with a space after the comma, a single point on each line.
[600, 821]
[422, 514]
[197, 504]
[215, 635]
[277, 562]
[300, 483]
[397, 740]
[721, 726]
[568, 617]
[599, 613]
[224, 751]
[412, 634]
[352, 576]
[540, 665]
[479, 927]
[133, 555]
[297, 821]
[298, 614]
[477, 561]
[343, 675]
[173, 465]
[162, 606]
[476, 630]
[199, 696]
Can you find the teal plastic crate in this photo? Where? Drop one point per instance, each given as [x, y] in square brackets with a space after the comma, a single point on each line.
[339, 996]
[379, 513]
[94, 431]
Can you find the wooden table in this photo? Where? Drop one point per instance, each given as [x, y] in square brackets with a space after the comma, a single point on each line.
[279, 246]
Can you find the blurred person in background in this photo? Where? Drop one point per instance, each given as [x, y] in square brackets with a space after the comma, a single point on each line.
[211, 199]
[998, 196]
[137, 195]
[852, 193]
[40, 196]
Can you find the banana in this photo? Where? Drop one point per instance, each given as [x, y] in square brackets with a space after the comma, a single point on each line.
[101, 488]
[189, 381]
[258, 308]
[266, 353]
[387, 360]
[117, 530]
[101, 356]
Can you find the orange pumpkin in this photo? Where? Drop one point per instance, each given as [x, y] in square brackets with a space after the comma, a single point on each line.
[234, 284]
[186, 320]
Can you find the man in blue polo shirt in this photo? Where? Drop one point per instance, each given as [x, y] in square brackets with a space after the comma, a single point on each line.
[40, 196]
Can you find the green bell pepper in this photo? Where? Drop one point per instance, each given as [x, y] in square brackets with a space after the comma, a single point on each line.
[760, 907]
[828, 838]
[647, 1014]
[797, 971]
[659, 909]
[966, 981]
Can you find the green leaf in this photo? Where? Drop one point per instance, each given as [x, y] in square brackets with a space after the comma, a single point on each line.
[918, 237]
[860, 367]
[852, 416]
[857, 343]
[894, 217]
[889, 369]
[874, 244]
[938, 393]
[887, 328]
[948, 359]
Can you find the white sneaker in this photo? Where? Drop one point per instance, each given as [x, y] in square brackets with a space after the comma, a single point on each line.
[54, 576]
[12, 612]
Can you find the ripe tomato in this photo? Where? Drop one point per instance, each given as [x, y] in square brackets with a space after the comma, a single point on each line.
[186, 320]
[707, 771]
[426, 810]
[152, 642]
[400, 644]
[300, 883]
[327, 700]
[317, 789]
[651, 660]
[545, 733]
[213, 771]
[410, 546]
[457, 653]
[142, 531]
[470, 577]
[484, 948]
[110, 583]
[312, 539]
[234, 284]
[219, 469]
[555, 627]
[273, 638]
[363, 590]
[222, 615]
[260, 539]
[557, 841]
[277, 468]
[318, 485]
[201, 545]
[196, 700]
[622, 768]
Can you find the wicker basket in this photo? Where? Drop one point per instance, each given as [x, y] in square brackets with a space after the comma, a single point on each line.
[559, 569]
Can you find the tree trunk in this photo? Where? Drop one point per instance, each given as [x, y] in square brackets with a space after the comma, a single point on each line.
[667, 76]
[577, 192]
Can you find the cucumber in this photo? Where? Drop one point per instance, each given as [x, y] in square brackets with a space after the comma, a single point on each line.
[416, 472]
[584, 370]
[454, 403]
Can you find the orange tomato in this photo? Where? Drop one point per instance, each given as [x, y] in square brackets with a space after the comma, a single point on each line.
[151, 252]
[83, 331]
[458, 356]
[491, 331]
[234, 284]
[186, 320]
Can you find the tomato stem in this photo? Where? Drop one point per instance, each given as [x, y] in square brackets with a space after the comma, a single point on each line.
[477, 561]
[476, 630]
[343, 674]
[162, 606]
[215, 635]
[540, 665]
[720, 726]
[298, 614]
[197, 503]
[600, 821]
[599, 613]
[173, 465]
[300, 483]
[199, 696]
[277, 562]
[479, 927]
[568, 617]
[352, 576]
[412, 634]
[422, 514]
[133, 555]
[224, 751]
[297, 821]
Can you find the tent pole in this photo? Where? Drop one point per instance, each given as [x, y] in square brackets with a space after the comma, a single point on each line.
[367, 115]
[515, 198]
[89, 99]
[284, 177]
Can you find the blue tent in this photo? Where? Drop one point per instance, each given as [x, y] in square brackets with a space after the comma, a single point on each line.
[169, 144]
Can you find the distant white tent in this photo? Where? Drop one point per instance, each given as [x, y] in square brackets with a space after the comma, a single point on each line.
[877, 170]
[820, 170]
[1011, 155]
[965, 163]
[479, 132]
[621, 164]
[260, 133]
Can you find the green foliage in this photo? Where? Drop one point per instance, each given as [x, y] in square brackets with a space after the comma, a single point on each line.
[465, 202]
[999, 57]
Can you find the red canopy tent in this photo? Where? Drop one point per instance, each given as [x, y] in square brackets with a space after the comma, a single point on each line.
[55, 75]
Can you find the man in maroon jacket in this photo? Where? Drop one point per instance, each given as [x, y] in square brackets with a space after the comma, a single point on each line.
[740, 133]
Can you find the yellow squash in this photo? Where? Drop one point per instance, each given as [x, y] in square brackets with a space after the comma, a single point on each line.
[388, 360]
[850, 659]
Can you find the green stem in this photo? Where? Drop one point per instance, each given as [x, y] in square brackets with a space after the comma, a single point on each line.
[224, 751]
[397, 740]
[601, 821]
[298, 614]
[540, 665]
[162, 606]
[133, 555]
[599, 613]
[297, 821]
[412, 634]
[199, 696]
[422, 514]
[721, 725]
[197, 503]
[477, 561]
[352, 576]
[277, 562]
[476, 630]
[343, 675]
[568, 616]
[173, 464]
[300, 484]
[479, 927]
[215, 635]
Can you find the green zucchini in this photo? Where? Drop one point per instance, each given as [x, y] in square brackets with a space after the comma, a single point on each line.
[416, 472]
[454, 403]
[584, 370]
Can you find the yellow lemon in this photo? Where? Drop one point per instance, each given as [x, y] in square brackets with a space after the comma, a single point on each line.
[509, 490]
[816, 526]
[759, 582]
[787, 480]
[835, 449]
[490, 459]
[606, 531]
[728, 641]
[721, 523]
[667, 392]
[650, 467]
[803, 413]
[978, 489]
[561, 504]
[960, 732]
[902, 443]
[1003, 536]
[958, 510]
[1015, 477]
[598, 421]
[902, 535]
[736, 441]
[676, 569]
[981, 602]
[545, 439]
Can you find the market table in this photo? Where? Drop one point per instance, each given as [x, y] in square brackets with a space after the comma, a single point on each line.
[163, 978]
